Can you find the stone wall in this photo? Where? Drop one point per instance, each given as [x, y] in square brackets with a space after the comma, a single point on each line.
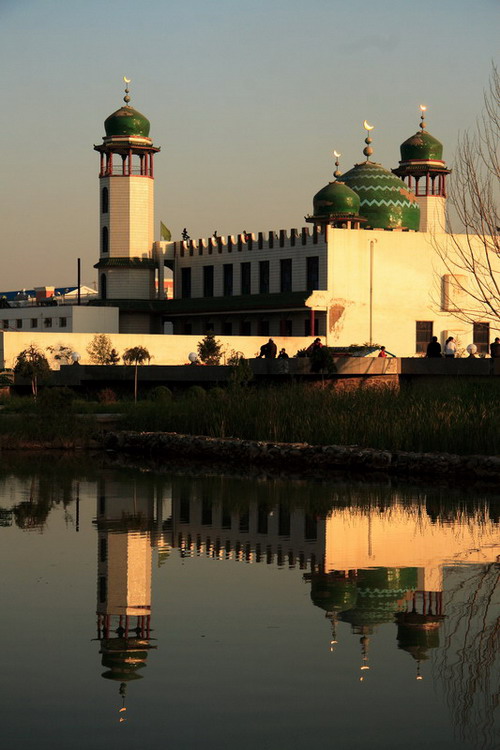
[304, 458]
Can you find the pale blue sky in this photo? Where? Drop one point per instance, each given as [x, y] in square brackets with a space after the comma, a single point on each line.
[246, 98]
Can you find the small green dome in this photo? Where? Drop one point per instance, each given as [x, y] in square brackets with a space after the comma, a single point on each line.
[385, 201]
[127, 121]
[422, 146]
[336, 199]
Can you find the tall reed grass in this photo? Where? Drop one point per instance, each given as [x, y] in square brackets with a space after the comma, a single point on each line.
[461, 417]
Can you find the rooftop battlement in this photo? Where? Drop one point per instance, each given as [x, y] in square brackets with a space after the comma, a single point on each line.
[248, 241]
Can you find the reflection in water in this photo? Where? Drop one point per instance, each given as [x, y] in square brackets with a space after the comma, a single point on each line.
[422, 566]
[124, 518]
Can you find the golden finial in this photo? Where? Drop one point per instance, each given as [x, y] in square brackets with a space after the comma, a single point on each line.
[368, 151]
[423, 125]
[126, 98]
[337, 173]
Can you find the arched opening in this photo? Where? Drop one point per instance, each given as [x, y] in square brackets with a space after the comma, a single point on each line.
[104, 285]
[105, 240]
[104, 200]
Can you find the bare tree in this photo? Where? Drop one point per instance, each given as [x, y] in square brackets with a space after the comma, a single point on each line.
[473, 258]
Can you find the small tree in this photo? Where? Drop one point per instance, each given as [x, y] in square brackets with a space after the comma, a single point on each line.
[136, 356]
[100, 350]
[209, 349]
[32, 363]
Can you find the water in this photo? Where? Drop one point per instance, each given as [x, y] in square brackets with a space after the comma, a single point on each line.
[177, 610]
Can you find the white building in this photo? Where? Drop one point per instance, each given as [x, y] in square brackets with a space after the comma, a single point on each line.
[366, 271]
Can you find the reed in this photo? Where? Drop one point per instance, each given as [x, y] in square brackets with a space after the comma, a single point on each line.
[458, 418]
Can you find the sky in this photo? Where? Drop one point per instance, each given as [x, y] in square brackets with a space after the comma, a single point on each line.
[247, 99]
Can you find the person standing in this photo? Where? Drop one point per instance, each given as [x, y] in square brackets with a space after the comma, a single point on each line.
[495, 348]
[433, 348]
[450, 347]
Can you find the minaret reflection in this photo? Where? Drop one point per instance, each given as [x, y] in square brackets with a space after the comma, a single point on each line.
[128, 519]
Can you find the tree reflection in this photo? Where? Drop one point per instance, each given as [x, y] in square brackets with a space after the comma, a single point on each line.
[469, 663]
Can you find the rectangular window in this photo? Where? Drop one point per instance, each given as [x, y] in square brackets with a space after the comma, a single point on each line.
[423, 335]
[283, 520]
[103, 549]
[481, 337]
[187, 329]
[262, 518]
[19, 323]
[263, 327]
[245, 328]
[310, 527]
[208, 281]
[307, 327]
[226, 516]
[227, 279]
[184, 509]
[244, 522]
[34, 322]
[286, 328]
[47, 322]
[286, 275]
[6, 324]
[185, 283]
[63, 322]
[264, 277]
[312, 272]
[245, 278]
[206, 512]
[227, 328]
[103, 589]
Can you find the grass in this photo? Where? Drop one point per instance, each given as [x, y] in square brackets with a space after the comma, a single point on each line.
[454, 416]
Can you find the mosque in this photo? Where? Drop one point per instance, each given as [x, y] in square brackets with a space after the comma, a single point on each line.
[365, 270]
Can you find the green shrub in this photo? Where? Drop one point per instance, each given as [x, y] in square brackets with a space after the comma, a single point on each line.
[160, 393]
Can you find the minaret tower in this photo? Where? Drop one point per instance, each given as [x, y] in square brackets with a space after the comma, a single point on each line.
[126, 210]
[425, 172]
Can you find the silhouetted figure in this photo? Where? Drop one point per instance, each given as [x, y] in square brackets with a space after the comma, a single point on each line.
[185, 235]
[495, 348]
[433, 348]
[283, 354]
[215, 235]
[269, 350]
[450, 347]
[382, 352]
[316, 344]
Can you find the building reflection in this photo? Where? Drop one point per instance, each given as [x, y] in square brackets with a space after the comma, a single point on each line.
[371, 566]
[127, 519]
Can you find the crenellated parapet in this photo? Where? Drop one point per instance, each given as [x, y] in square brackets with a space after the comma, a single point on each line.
[249, 241]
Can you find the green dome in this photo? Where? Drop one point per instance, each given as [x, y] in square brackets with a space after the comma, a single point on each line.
[127, 121]
[333, 595]
[336, 199]
[385, 201]
[422, 146]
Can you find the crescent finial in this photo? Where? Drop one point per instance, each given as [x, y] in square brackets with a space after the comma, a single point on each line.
[367, 125]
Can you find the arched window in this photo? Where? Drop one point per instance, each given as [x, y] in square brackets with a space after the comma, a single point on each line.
[104, 200]
[105, 240]
[104, 284]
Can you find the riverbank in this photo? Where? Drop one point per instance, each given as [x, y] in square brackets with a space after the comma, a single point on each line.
[304, 458]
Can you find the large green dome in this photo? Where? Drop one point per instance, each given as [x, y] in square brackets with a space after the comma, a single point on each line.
[127, 121]
[336, 199]
[385, 201]
[423, 147]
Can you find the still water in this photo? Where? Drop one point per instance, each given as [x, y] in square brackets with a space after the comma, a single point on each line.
[173, 609]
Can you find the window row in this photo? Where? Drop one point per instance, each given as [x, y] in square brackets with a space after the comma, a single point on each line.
[425, 332]
[245, 277]
[19, 323]
[261, 327]
[228, 520]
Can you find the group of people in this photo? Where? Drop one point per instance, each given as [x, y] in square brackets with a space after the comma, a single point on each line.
[434, 348]
[269, 350]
